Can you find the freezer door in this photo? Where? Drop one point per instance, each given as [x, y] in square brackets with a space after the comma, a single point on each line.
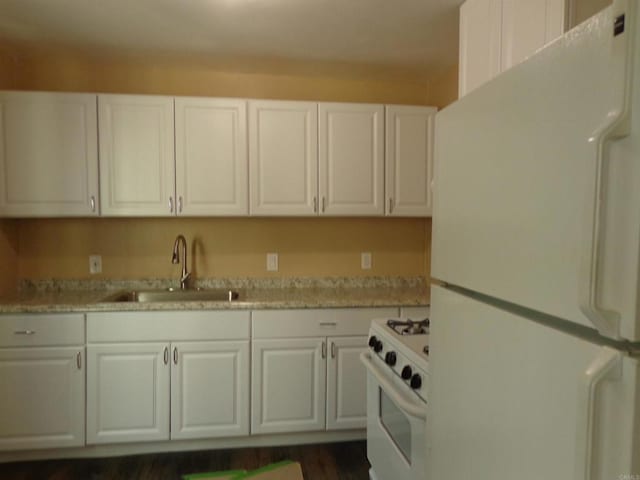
[511, 398]
[518, 174]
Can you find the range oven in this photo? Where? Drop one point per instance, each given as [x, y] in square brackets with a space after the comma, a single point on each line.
[397, 365]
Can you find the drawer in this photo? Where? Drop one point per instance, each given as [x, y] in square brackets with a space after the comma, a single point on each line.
[33, 330]
[167, 326]
[315, 322]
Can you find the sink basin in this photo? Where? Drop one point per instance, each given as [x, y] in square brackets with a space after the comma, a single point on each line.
[171, 295]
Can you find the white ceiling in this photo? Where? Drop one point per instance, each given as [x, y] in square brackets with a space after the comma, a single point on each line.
[412, 35]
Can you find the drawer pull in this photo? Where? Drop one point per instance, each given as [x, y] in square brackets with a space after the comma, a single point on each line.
[328, 324]
[24, 332]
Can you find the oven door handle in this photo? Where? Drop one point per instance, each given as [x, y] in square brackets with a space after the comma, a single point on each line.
[391, 390]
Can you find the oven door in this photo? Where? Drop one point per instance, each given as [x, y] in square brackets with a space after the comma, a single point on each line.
[396, 424]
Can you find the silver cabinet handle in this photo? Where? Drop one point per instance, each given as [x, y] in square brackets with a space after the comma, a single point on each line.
[333, 350]
[175, 355]
[324, 350]
[390, 205]
[328, 324]
[315, 205]
[79, 360]
[180, 204]
[166, 355]
[170, 204]
[24, 332]
[93, 203]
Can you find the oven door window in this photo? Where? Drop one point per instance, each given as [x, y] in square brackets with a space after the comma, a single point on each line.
[396, 424]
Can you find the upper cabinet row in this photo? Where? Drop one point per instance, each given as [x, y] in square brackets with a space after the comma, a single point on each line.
[498, 34]
[166, 156]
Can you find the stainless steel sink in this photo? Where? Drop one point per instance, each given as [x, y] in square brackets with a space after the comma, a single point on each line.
[171, 295]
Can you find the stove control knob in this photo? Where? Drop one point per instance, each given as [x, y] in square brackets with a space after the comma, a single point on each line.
[378, 346]
[416, 381]
[390, 358]
[406, 372]
[373, 340]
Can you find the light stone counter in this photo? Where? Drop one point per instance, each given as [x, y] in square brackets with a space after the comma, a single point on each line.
[88, 295]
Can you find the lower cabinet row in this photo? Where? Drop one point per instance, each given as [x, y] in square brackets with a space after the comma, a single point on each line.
[291, 371]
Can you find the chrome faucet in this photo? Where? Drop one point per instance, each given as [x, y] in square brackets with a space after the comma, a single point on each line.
[176, 257]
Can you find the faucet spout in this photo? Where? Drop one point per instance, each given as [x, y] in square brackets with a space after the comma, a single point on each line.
[180, 255]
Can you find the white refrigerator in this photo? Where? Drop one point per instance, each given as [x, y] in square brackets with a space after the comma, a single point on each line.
[535, 305]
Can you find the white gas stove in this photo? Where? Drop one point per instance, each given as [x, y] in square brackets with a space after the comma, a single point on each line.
[397, 365]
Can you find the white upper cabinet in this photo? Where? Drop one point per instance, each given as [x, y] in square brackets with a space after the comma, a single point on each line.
[137, 168]
[497, 34]
[351, 159]
[211, 156]
[48, 154]
[409, 160]
[283, 157]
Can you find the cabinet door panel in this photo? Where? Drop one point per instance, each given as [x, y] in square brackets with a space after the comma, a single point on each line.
[528, 26]
[283, 157]
[409, 160]
[351, 159]
[43, 398]
[346, 384]
[48, 154]
[127, 393]
[210, 390]
[480, 41]
[211, 157]
[137, 168]
[288, 385]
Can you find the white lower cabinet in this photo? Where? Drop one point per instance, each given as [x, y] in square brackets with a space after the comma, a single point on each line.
[41, 386]
[193, 387]
[306, 374]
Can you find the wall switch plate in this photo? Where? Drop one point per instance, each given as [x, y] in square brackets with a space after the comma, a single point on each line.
[95, 264]
[365, 260]
[272, 262]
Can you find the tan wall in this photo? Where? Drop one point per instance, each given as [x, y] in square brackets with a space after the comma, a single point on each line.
[8, 256]
[60, 71]
[444, 88]
[137, 248]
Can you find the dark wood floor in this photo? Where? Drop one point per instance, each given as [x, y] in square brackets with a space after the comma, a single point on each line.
[336, 461]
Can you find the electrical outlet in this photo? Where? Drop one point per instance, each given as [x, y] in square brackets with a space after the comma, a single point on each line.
[95, 264]
[365, 260]
[272, 262]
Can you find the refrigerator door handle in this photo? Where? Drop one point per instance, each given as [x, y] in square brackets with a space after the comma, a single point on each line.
[607, 365]
[616, 125]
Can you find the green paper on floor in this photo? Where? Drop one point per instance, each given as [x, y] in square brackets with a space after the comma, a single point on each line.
[285, 470]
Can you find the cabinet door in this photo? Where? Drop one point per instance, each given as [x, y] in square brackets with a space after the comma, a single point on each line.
[529, 25]
[346, 384]
[480, 41]
[210, 389]
[211, 157]
[42, 392]
[48, 154]
[127, 392]
[283, 157]
[351, 159]
[409, 160]
[288, 385]
[137, 168]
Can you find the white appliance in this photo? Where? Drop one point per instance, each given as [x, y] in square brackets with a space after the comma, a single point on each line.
[535, 337]
[397, 370]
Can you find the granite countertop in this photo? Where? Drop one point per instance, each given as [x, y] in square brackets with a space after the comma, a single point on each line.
[89, 295]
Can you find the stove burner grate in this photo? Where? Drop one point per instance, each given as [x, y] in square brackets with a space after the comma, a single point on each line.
[409, 327]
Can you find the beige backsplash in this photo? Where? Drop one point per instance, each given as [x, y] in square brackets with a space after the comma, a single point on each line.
[223, 247]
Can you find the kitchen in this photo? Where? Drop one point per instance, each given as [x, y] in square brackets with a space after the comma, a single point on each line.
[33, 257]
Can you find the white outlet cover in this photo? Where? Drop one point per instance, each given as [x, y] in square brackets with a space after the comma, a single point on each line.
[365, 260]
[272, 262]
[95, 264]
